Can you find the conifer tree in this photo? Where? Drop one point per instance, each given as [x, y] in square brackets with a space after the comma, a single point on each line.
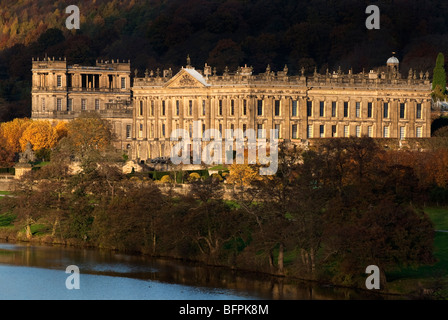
[439, 77]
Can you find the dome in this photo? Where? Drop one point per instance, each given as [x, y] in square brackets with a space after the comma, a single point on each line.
[393, 60]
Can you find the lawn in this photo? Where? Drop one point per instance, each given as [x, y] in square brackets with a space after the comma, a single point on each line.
[426, 275]
[439, 216]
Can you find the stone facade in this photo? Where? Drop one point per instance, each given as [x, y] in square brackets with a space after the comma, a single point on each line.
[64, 92]
[380, 103]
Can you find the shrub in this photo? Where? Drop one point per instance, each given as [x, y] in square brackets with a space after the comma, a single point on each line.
[166, 179]
[194, 176]
[217, 177]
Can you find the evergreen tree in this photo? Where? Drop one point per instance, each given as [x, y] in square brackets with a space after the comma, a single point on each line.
[439, 76]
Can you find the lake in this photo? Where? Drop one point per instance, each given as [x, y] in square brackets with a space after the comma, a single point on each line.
[38, 272]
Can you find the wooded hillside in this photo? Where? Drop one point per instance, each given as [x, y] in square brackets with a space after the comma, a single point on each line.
[155, 33]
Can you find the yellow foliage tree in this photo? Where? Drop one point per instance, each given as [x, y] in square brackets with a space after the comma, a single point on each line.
[12, 131]
[89, 133]
[61, 129]
[242, 174]
[41, 134]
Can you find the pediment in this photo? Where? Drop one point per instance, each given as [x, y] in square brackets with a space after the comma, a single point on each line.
[187, 78]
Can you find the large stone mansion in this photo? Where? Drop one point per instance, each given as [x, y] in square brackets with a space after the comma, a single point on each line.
[380, 103]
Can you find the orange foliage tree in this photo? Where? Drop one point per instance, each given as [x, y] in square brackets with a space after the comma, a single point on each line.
[12, 131]
[41, 135]
[89, 133]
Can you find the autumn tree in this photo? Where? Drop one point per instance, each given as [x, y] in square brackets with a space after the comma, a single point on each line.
[42, 136]
[88, 138]
[12, 131]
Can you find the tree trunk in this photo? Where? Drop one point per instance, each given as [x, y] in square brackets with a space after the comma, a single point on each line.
[28, 232]
[53, 231]
[153, 242]
[280, 258]
[313, 262]
[271, 261]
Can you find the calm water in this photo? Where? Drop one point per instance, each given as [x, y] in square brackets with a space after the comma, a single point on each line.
[38, 272]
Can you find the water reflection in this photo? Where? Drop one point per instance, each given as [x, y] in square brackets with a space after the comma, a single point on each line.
[209, 280]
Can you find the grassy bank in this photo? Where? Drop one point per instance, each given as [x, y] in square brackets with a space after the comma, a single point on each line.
[430, 281]
[427, 280]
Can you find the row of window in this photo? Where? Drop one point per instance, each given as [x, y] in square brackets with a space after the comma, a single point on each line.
[86, 85]
[294, 109]
[190, 108]
[357, 133]
[69, 106]
[386, 110]
[294, 131]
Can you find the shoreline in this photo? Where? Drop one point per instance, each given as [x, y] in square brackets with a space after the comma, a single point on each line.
[42, 240]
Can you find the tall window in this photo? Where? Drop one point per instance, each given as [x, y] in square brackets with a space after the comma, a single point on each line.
[43, 104]
[321, 108]
[128, 131]
[333, 130]
[333, 109]
[141, 108]
[152, 108]
[123, 83]
[419, 111]
[70, 105]
[140, 132]
[386, 110]
[386, 132]
[402, 133]
[369, 110]
[260, 107]
[59, 81]
[177, 107]
[232, 107]
[220, 107]
[59, 104]
[163, 107]
[321, 131]
[277, 107]
[83, 104]
[244, 107]
[402, 110]
[294, 108]
[97, 104]
[294, 131]
[358, 109]
[190, 107]
[260, 131]
[419, 132]
[309, 108]
[345, 109]
[309, 131]
[358, 131]
[370, 131]
[203, 107]
[277, 131]
[346, 131]
[163, 130]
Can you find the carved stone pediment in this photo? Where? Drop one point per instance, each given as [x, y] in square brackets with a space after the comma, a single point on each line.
[184, 79]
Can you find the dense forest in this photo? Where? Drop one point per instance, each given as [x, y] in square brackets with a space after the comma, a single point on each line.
[156, 33]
